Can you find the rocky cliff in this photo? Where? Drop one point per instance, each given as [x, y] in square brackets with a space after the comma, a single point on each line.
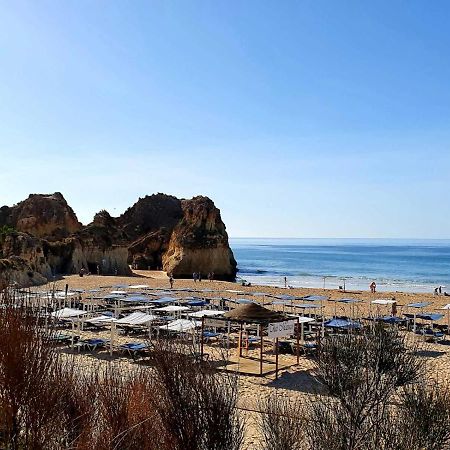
[41, 237]
[42, 215]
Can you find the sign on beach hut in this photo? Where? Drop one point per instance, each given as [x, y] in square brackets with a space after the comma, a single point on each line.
[281, 329]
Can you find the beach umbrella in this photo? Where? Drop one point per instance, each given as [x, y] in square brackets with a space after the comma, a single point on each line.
[244, 301]
[392, 320]
[447, 308]
[206, 313]
[379, 302]
[321, 299]
[348, 301]
[342, 324]
[432, 317]
[164, 300]
[136, 299]
[418, 305]
[67, 313]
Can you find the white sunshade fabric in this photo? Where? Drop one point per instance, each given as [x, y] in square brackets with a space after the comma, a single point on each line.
[138, 286]
[383, 301]
[304, 319]
[67, 313]
[173, 308]
[206, 313]
[181, 325]
[136, 318]
[447, 306]
[119, 292]
[101, 319]
[62, 294]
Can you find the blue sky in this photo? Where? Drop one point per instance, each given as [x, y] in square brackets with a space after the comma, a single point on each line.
[299, 119]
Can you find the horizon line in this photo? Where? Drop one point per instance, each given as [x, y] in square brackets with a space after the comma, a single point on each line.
[348, 238]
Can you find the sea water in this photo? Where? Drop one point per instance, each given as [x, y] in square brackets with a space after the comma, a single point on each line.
[394, 264]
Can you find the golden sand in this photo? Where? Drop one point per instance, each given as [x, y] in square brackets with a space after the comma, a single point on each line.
[294, 381]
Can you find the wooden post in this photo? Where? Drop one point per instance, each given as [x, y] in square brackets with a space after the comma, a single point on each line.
[240, 341]
[201, 338]
[261, 351]
[298, 341]
[276, 358]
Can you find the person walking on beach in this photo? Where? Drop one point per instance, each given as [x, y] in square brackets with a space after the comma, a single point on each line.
[285, 282]
[171, 280]
[373, 287]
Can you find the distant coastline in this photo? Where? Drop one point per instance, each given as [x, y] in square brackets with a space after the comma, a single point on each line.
[405, 265]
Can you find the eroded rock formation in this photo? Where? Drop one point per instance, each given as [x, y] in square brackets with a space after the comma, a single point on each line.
[42, 238]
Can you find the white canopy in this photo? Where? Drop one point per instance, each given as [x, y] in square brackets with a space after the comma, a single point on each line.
[447, 306]
[67, 313]
[62, 294]
[206, 313]
[181, 325]
[101, 319]
[119, 292]
[303, 319]
[138, 286]
[383, 301]
[173, 308]
[136, 318]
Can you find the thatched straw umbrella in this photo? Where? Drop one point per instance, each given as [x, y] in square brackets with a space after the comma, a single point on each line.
[256, 314]
[253, 313]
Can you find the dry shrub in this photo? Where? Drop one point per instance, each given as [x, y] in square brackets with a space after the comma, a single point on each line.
[31, 379]
[48, 402]
[363, 372]
[422, 419]
[197, 408]
[281, 423]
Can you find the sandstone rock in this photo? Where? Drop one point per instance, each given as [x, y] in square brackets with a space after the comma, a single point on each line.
[16, 270]
[182, 236]
[151, 213]
[46, 216]
[31, 251]
[199, 243]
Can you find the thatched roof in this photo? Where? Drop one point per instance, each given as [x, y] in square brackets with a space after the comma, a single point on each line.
[253, 312]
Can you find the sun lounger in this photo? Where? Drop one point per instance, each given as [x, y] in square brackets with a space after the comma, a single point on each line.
[62, 338]
[91, 344]
[134, 348]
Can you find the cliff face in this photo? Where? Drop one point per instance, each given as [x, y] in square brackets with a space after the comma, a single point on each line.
[199, 242]
[180, 236]
[43, 216]
[158, 231]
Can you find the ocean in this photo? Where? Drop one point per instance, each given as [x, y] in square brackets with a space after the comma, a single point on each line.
[394, 264]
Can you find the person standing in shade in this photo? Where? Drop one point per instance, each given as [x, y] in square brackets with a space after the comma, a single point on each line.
[212, 276]
[394, 308]
[194, 276]
[199, 277]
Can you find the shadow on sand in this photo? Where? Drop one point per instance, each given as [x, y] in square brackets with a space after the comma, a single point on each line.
[301, 381]
[429, 353]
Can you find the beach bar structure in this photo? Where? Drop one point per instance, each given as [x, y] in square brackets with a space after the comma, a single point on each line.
[274, 323]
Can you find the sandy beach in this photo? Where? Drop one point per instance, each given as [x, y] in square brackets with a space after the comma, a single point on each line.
[294, 381]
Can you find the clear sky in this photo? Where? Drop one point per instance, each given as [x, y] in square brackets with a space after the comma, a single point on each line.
[299, 119]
